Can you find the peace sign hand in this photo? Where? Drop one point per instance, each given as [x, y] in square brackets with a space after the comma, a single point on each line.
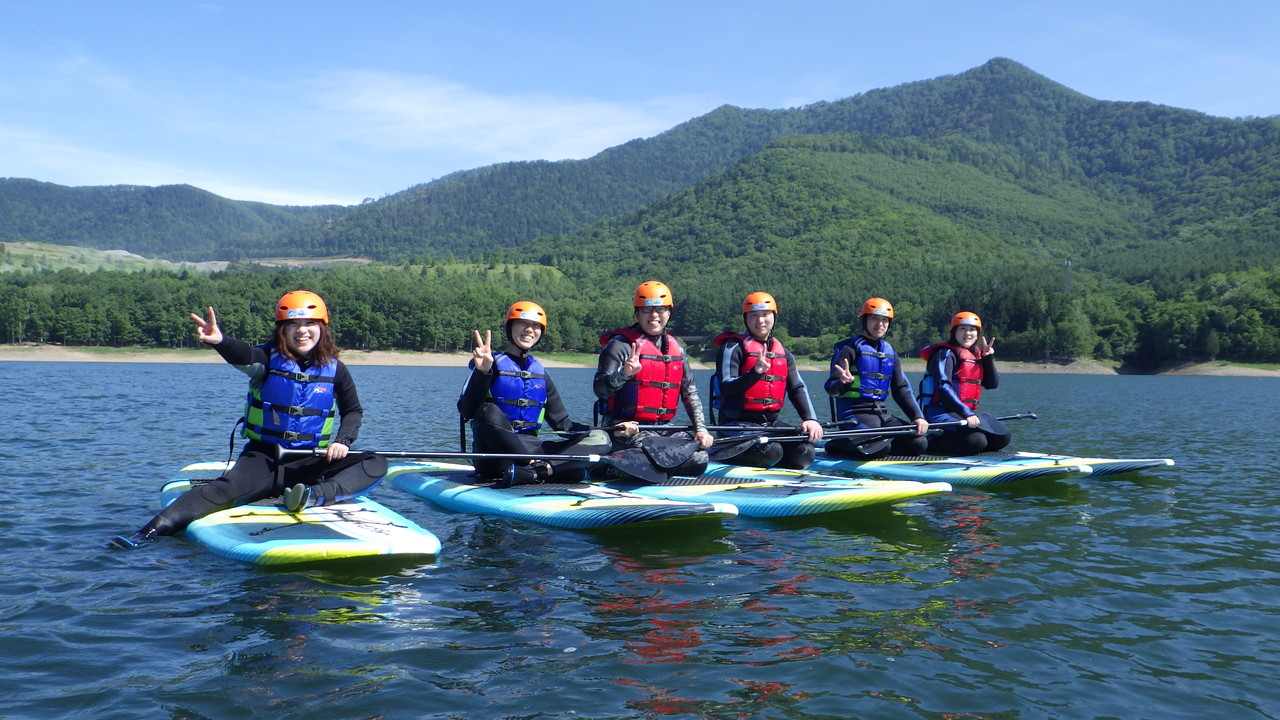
[841, 371]
[762, 363]
[207, 331]
[986, 346]
[632, 366]
[482, 355]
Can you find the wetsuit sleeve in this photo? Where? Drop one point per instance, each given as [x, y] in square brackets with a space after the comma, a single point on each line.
[557, 415]
[689, 394]
[990, 375]
[942, 368]
[474, 392]
[833, 386]
[609, 378]
[798, 392]
[901, 389]
[248, 359]
[350, 412]
[733, 382]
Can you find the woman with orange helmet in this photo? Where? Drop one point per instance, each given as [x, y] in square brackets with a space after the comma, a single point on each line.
[754, 374]
[509, 398]
[956, 373]
[643, 376]
[297, 387]
[865, 372]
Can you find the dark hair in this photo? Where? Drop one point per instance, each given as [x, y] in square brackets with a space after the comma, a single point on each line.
[323, 353]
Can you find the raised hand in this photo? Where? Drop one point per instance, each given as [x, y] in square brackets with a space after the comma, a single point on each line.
[841, 371]
[632, 366]
[482, 355]
[986, 346]
[207, 330]
[762, 363]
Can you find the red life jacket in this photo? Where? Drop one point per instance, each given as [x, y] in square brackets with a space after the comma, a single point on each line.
[767, 393]
[653, 395]
[967, 375]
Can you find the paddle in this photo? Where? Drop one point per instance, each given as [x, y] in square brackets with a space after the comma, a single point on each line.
[632, 461]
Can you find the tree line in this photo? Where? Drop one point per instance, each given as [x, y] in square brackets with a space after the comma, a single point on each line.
[1034, 314]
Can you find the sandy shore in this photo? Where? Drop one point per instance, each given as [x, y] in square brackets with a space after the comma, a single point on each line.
[57, 353]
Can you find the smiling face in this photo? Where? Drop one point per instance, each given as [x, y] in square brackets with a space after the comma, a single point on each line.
[524, 334]
[301, 336]
[875, 326]
[653, 320]
[965, 335]
[760, 323]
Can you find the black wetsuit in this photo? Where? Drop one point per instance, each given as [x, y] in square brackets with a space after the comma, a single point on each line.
[260, 472]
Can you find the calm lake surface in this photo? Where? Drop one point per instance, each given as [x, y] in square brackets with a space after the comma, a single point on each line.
[1153, 595]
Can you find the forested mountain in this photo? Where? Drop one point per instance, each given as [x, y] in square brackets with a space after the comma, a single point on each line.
[175, 222]
[1123, 231]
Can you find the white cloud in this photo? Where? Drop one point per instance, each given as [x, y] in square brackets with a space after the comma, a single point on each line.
[395, 112]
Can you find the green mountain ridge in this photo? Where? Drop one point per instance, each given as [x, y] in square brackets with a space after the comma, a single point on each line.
[1124, 231]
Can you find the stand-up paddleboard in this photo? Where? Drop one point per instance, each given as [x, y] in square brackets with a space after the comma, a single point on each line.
[766, 493]
[1097, 466]
[576, 506]
[985, 468]
[264, 533]
[971, 471]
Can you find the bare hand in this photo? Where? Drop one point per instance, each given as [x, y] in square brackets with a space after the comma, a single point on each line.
[632, 366]
[973, 421]
[922, 426]
[482, 355]
[704, 439]
[207, 331]
[336, 451]
[630, 428]
[762, 364]
[841, 372]
[986, 346]
[813, 428]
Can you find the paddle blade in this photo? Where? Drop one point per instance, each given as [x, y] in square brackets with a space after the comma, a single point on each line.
[669, 452]
[635, 463]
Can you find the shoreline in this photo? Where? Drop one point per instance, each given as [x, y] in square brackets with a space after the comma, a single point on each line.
[30, 352]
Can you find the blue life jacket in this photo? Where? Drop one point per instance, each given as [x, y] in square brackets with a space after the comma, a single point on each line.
[872, 374]
[292, 407]
[520, 392]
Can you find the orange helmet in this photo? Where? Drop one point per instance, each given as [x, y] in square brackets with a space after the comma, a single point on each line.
[966, 318]
[877, 306]
[652, 293]
[525, 310]
[759, 301]
[301, 304]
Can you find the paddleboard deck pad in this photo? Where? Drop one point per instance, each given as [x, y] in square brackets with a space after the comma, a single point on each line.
[573, 506]
[264, 533]
[767, 493]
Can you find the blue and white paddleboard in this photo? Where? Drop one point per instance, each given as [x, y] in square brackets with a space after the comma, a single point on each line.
[577, 506]
[985, 468]
[769, 493]
[264, 533]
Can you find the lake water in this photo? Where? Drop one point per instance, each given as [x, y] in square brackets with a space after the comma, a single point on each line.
[1153, 595]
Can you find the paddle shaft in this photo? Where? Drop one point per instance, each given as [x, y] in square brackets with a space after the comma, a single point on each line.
[790, 428]
[871, 432]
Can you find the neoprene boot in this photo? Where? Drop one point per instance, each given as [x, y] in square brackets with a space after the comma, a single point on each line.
[298, 498]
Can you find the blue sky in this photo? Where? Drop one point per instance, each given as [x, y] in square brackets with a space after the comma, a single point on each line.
[334, 102]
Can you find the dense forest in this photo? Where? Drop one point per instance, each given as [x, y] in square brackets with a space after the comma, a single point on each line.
[1122, 231]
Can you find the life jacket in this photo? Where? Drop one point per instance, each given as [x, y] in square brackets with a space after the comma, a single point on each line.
[872, 374]
[769, 391]
[967, 376]
[653, 395]
[292, 407]
[520, 392]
